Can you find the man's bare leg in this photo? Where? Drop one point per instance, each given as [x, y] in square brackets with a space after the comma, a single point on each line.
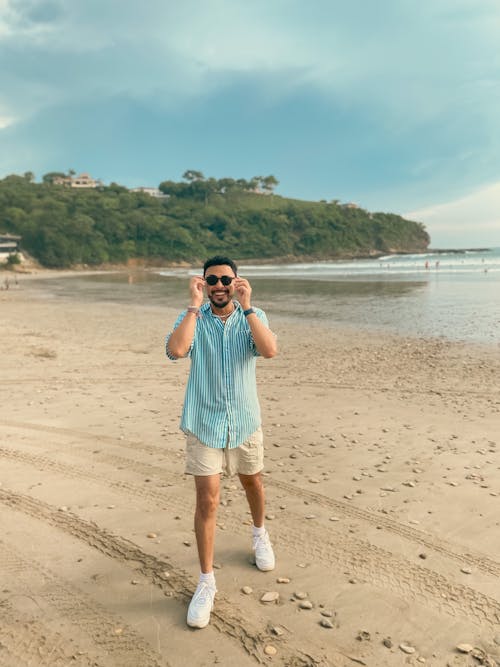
[207, 502]
[254, 489]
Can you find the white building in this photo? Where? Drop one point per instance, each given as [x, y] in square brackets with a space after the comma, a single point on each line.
[81, 181]
[152, 192]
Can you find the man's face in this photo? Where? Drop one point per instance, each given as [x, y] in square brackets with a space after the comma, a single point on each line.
[219, 295]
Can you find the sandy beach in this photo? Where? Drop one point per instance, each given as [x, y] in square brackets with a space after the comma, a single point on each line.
[383, 499]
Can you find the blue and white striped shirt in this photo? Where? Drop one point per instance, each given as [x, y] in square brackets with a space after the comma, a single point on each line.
[221, 407]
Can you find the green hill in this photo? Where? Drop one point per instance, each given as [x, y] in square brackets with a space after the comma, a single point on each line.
[63, 226]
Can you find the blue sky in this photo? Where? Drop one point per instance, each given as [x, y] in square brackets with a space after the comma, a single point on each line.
[391, 104]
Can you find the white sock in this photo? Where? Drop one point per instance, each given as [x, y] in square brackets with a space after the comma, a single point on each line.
[258, 532]
[208, 578]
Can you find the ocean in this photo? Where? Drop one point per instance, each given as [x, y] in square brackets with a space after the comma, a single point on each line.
[453, 295]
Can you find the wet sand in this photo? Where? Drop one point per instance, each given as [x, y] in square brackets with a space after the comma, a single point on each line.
[383, 488]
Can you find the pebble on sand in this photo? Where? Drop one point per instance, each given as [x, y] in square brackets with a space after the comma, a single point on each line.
[270, 596]
[406, 648]
[270, 650]
[305, 604]
[465, 648]
[300, 595]
[282, 580]
[326, 623]
[248, 590]
[152, 536]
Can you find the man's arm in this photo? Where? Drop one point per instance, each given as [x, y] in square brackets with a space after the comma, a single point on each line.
[264, 339]
[182, 337]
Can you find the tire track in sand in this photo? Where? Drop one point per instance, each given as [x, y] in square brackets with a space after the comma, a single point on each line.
[126, 649]
[226, 617]
[327, 545]
[26, 641]
[446, 548]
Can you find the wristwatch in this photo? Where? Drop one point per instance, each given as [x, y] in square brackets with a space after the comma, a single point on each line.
[248, 312]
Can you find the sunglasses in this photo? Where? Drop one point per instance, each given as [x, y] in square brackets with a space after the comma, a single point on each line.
[213, 280]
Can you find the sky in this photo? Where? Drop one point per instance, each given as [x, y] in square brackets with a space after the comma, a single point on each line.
[393, 104]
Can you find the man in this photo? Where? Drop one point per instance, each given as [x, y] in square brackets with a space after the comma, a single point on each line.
[221, 415]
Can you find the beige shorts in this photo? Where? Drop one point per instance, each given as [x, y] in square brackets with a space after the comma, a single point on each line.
[247, 459]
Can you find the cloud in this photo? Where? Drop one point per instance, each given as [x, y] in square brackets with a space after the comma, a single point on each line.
[190, 48]
[24, 13]
[5, 121]
[473, 219]
[407, 93]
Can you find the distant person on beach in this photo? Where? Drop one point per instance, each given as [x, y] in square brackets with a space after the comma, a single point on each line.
[221, 414]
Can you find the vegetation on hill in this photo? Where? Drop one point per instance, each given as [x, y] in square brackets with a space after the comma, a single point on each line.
[63, 227]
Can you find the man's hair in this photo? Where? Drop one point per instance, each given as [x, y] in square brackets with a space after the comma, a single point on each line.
[220, 260]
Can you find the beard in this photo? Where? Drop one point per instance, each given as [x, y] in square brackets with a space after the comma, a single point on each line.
[220, 301]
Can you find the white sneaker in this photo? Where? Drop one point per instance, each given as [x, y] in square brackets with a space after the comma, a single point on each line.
[201, 605]
[264, 554]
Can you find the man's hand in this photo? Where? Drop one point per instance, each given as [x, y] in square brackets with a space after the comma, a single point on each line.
[196, 285]
[243, 291]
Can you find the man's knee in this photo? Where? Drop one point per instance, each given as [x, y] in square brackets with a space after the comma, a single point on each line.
[207, 501]
[250, 482]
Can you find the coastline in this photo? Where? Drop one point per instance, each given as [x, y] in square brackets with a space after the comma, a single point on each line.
[31, 268]
[144, 264]
[382, 477]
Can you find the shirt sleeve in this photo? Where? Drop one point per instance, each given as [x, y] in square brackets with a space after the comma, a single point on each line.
[167, 338]
[263, 318]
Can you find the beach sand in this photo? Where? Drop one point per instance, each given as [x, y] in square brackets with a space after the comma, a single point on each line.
[383, 498]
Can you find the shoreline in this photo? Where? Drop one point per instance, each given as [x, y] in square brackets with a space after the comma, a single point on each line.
[144, 264]
[117, 290]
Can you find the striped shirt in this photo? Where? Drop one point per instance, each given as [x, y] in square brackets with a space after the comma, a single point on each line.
[221, 407]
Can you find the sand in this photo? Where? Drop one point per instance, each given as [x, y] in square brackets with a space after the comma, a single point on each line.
[383, 488]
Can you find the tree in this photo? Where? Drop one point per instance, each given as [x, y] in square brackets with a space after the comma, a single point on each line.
[63, 227]
[173, 189]
[192, 175]
[268, 183]
[52, 175]
[225, 185]
[13, 259]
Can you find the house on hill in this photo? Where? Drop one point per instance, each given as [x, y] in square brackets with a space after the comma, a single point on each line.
[81, 181]
[152, 192]
[9, 245]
